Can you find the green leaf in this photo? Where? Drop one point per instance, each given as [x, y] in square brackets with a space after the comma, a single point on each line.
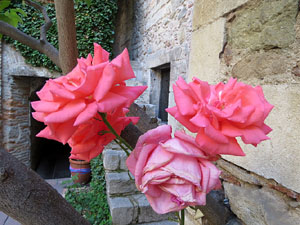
[18, 10]
[5, 18]
[88, 2]
[4, 4]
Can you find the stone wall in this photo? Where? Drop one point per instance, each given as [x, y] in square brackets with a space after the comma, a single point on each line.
[18, 81]
[161, 35]
[258, 42]
[127, 204]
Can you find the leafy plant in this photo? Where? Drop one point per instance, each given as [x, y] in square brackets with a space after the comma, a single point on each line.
[10, 16]
[94, 23]
[92, 202]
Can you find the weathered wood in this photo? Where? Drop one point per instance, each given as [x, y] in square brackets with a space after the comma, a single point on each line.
[68, 53]
[27, 198]
[132, 132]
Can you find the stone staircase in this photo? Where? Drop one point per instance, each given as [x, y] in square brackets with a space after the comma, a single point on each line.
[127, 204]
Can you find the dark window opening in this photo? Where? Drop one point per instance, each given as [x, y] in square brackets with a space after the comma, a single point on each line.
[164, 95]
[159, 93]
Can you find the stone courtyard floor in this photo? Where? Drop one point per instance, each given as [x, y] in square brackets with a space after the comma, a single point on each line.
[56, 183]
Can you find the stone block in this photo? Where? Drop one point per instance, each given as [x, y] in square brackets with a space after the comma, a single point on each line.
[146, 213]
[123, 158]
[206, 46]
[277, 158]
[122, 211]
[157, 59]
[14, 64]
[206, 11]
[260, 206]
[262, 64]
[111, 159]
[272, 25]
[119, 183]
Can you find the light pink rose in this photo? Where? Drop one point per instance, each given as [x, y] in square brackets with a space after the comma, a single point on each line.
[220, 113]
[90, 138]
[173, 173]
[95, 84]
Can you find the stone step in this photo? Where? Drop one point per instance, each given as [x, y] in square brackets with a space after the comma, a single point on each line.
[120, 183]
[135, 209]
[114, 158]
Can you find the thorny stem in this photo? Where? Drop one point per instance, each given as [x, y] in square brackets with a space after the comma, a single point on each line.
[119, 139]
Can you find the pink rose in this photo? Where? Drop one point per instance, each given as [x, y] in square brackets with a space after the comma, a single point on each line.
[90, 138]
[220, 113]
[172, 172]
[95, 84]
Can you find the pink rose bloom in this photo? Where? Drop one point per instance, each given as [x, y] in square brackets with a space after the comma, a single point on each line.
[173, 173]
[95, 84]
[220, 113]
[90, 138]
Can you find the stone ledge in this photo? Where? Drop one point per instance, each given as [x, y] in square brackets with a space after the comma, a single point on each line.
[243, 176]
[146, 213]
[135, 209]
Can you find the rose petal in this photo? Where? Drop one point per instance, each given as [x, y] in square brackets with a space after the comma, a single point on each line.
[185, 121]
[184, 167]
[179, 146]
[68, 112]
[184, 102]
[100, 55]
[88, 113]
[43, 106]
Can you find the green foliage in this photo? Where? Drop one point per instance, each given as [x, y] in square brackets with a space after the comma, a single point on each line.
[94, 23]
[10, 16]
[92, 203]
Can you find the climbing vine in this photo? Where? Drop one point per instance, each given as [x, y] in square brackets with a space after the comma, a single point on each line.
[94, 23]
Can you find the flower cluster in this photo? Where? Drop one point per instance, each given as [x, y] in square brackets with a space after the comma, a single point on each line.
[177, 172]
[69, 105]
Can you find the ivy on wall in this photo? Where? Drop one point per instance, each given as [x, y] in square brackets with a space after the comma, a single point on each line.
[94, 23]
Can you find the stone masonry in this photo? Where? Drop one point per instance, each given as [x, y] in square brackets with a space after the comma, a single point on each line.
[18, 81]
[258, 42]
[127, 204]
[157, 33]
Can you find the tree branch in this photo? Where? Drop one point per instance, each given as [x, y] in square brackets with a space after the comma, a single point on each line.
[26, 197]
[41, 45]
[48, 22]
[45, 48]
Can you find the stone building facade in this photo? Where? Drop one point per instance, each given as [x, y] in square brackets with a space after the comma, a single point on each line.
[256, 41]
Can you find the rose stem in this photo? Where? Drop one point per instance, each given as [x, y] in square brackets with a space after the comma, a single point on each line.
[182, 217]
[120, 139]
